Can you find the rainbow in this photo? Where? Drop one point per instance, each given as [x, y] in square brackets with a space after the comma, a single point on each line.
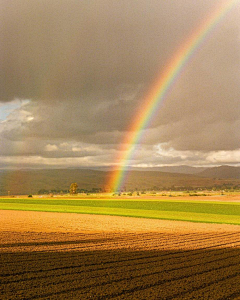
[160, 90]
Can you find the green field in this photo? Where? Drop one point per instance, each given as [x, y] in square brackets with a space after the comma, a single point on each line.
[184, 210]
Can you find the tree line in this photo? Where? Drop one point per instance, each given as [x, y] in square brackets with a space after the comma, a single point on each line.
[66, 191]
[74, 189]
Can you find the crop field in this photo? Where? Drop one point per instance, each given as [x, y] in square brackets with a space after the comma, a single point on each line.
[74, 256]
[196, 209]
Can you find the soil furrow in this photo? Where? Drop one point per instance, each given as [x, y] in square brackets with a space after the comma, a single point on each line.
[159, 282]
[152, 276]
[116, 268]
[169, 261]
[40, 262]
[151, 260]
[136, 241]
[232, 296]
[203, 286]
[68, 267]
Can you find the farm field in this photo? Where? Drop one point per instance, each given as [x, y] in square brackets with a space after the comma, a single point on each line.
[214, 209]
[46, 255]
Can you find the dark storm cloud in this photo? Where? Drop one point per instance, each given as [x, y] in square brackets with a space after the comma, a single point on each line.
[85, 67]
[64, 49]
[61, 49]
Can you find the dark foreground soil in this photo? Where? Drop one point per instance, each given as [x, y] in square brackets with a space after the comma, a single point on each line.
[171, 263]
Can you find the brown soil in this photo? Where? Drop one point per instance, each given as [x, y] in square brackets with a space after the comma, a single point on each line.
[73, 256]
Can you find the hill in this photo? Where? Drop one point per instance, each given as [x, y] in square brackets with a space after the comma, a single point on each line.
[32, 181]
[225, 172]
[183, 169]
[178, 169]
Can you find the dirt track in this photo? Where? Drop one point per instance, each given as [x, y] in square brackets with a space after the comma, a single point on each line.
[73, 256]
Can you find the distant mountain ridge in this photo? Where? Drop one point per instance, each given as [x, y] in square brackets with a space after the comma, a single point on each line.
[221, 172]
[179, 169]
[32, 181]
[183, 169]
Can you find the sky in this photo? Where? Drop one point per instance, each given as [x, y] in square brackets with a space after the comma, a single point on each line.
[75, 73]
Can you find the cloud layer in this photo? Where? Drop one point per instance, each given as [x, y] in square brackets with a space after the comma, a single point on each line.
[81, 69]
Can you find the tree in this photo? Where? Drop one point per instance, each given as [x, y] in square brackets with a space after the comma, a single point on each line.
[73, 188]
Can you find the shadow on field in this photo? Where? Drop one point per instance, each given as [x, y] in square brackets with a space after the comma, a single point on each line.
[55, 243]
[206, 273]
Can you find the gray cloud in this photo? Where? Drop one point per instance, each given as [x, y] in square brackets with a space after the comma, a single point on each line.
[64, 49]
[86, 66]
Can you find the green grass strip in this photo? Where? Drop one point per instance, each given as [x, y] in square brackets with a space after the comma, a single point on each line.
[170, 210]
[218, 208]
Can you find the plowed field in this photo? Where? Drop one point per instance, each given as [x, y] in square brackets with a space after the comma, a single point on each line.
[70, 256]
